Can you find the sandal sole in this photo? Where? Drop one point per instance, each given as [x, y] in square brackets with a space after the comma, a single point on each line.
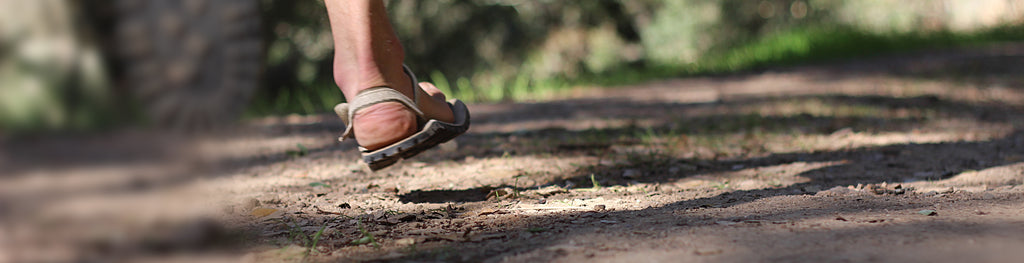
[434, 132]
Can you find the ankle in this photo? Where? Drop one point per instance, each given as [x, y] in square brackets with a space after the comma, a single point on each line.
[353, 79]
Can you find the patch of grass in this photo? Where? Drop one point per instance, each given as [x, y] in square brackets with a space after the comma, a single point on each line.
[838, 42]
[316, 239]
[722, 185]
[300, 151]
[297, 236]
[367, 237]
[515, 185]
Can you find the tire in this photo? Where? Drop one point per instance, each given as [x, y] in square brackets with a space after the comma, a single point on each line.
[191, 64]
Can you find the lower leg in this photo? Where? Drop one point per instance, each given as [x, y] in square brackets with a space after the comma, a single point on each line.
[367, 51]
[368, 54]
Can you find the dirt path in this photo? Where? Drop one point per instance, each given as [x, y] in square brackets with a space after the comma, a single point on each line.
[913, 158]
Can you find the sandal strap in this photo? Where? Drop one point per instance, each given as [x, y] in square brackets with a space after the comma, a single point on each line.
[377, 95]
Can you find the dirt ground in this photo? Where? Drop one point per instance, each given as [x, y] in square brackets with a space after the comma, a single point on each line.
[907, 158]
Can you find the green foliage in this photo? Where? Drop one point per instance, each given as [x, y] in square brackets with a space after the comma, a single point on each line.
[300, 151]
[837, 42]
[52, 76]
[478, 50]
[499, 50]
[367, 237]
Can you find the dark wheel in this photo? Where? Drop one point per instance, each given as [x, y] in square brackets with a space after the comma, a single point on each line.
[192, 64]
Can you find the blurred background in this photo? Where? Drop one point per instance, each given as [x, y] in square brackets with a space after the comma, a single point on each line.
[77, 76]
[73, 65]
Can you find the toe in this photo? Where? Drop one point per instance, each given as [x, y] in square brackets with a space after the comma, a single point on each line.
[432, 90]
[435, 108]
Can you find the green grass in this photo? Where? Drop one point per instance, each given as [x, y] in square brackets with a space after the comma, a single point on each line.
[806, 45]
[790, 47]
[828, 43]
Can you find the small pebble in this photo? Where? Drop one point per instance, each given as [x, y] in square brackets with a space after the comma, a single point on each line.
[251, 204]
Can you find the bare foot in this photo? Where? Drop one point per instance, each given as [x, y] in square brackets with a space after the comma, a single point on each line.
[383, 124]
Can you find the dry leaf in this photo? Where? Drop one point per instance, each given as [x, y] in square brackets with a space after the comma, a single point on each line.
[263, 212]
[708, 251]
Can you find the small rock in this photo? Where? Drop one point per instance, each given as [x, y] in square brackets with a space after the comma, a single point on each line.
[500, 192]
[251, 204]
[842, 132]
[344, 206]
[928, 212]
[551, 190]
[837, 191]
[449, 146]
[599, 208]
[406, 241]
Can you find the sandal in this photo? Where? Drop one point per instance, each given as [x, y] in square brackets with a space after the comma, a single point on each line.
[431, 131]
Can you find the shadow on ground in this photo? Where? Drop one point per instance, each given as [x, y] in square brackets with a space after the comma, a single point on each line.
[625, 123]
[893, 163]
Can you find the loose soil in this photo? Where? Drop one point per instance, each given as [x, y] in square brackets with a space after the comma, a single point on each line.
[907, 158]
